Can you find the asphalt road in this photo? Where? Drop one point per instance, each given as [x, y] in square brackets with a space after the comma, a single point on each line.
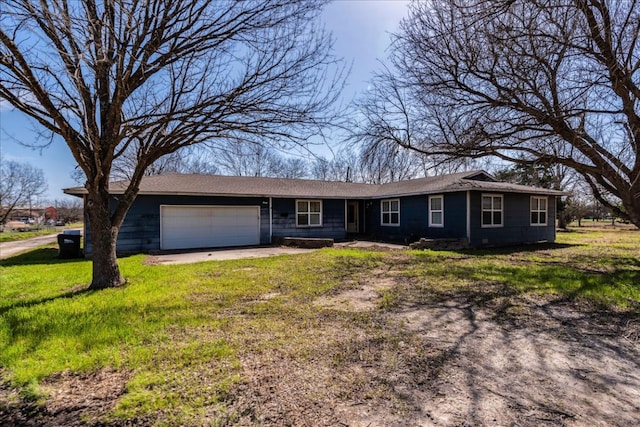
[9, 249]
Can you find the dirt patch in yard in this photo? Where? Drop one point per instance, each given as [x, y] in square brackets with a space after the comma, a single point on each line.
[73, 400]
[361, 297]
[533, 363]
[472, 359]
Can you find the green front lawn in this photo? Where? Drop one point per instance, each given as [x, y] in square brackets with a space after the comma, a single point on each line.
[180, 332]
[172, 327]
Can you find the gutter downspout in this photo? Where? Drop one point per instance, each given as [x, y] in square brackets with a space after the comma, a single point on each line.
[270, 220]
[364, 216]
[555, 216]
[85, 224]
[469, 218]
[346, 228]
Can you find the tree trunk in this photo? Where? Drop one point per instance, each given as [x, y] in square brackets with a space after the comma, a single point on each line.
[631, 203]
[106, 273]
[634, 214]
[562, 221]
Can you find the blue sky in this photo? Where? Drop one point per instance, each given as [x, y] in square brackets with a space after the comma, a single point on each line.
[361, 30]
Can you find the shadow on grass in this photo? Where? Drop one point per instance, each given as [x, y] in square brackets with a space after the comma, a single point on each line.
[34, 302]
[44, 256]
[620, 287]
[37, 256]
[488, 344]
[510, 250]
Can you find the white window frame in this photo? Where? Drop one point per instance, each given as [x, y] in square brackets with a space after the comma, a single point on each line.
[492, 210]
[538, 211]
[390, 212]
[432, 211]
[308, 213]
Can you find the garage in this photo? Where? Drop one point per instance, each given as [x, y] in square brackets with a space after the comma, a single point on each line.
[187, 227]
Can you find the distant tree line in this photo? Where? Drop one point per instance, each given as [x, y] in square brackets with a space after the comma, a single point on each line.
[20, 185]
[375, 164]
[22, 190]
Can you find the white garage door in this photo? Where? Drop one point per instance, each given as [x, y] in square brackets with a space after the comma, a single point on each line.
[185, 227]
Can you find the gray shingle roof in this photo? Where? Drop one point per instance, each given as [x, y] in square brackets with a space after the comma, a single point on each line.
[218, 185]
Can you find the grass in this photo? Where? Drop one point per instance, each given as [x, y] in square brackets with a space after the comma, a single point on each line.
[181, 332]
[13, 236]
[177, 329]
[597, 263]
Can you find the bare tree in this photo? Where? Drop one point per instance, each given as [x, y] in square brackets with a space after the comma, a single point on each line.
[380, 163]
[386, 134]
[342, 167]
[201, 166]
[156, 76]
[293, 167]
[124, 166]
[321, 169]
[69, 209]
[188, 160]
[20, 183]
[534, 81]
[241, 158]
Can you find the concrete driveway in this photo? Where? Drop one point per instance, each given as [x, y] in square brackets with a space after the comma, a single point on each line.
[252, 252]
[224, 254]
[9, 249]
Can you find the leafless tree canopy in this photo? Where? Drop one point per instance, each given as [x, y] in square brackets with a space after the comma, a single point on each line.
[240, 158]
[69, 210]
[152, 77]
[545, 81]
[20, 184]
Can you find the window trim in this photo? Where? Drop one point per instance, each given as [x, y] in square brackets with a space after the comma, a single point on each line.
[492, 210]
[441, 210]
[538, 211]
[382, 212]
[308, 213]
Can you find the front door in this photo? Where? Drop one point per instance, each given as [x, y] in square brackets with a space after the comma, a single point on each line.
[352, 217]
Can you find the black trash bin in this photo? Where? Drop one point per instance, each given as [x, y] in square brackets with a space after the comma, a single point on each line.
[69, 245]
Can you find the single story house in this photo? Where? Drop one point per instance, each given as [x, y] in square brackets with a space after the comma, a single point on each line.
[177, 211]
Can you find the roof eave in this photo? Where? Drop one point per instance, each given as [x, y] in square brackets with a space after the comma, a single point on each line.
[479, 189]
[75, 191]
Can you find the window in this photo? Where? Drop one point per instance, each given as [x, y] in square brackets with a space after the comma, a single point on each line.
[538, 210]
[309, 213]
[491, 210]
[390, 212]
[436, 211]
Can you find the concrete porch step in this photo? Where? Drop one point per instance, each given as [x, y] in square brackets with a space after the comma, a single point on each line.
[440, 244]
[306, 242]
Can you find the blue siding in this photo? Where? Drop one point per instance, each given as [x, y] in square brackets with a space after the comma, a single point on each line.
[140, 231]
[333, 220]
[516, 227]
[414, 219]
[455, 218]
